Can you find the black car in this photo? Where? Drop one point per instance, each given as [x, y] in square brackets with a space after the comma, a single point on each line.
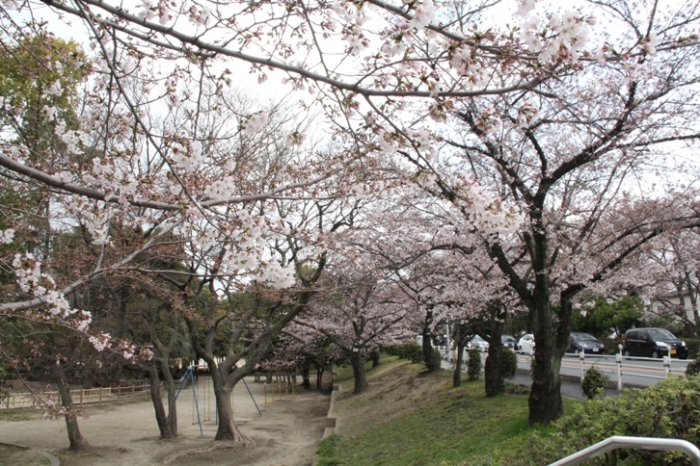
[508, 341]
[653, 343]
[580, 342]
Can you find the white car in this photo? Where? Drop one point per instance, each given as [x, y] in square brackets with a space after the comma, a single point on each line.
[526, 344]
[478, 342]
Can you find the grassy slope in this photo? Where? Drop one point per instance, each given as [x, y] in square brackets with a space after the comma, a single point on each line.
[408, 417]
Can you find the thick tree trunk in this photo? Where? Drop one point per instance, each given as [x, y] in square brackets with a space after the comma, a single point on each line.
[545, 401]
[431, 363]
[374, 355]
[495, 384]
[358, 370]
[172, 394]
[227, 430]
[77, 441]
[157, 400]
[457, 374]
[306, 375]
[319, 377]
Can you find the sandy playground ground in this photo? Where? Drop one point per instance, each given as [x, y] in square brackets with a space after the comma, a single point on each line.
[286, 434]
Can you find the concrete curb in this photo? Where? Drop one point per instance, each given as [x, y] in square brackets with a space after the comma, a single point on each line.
[53, 461]
[331, 419]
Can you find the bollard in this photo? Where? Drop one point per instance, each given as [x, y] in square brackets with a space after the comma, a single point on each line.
[265, 392]
[618, 360]
[667, 365]
[582, 359]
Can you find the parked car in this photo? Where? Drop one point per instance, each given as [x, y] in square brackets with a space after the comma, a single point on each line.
[526, 344]
[479, 343]
[653, 343]
[508, 341]
[586, 343]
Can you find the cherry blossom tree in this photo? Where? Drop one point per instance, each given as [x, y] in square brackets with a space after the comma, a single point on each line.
[677, 285]
[549, 118]
[574, 154]
[359, 314]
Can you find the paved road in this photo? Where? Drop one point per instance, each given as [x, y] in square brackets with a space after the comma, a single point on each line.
[635, 372]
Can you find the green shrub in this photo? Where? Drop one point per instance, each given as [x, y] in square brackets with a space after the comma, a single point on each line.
[509, 364]
[693, 368]
[594, 383]
[693, 347]
[392, 350]
[474, 364]
[408, 350]
[611, 345]
[670, 409]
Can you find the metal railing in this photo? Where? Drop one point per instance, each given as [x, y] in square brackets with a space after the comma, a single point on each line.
[615, 366]
[80, 396]
[636, 443]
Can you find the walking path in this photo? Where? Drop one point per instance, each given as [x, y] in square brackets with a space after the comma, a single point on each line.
[286, 434]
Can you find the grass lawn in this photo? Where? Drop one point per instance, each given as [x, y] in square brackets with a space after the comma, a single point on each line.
[408, 417]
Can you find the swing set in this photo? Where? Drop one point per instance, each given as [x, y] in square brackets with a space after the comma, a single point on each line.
[189, 376]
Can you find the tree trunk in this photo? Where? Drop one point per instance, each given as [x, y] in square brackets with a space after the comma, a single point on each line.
[457, 374]
[428, 354]
[545, 401]
[358, 370]
[319, 377]
[77, 441]
[495, 384]
[172, 394]
[227, 430]
[374, 355]
[157, 400]
[306, 375]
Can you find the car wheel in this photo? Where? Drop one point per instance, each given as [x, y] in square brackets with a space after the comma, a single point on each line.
[655, 355]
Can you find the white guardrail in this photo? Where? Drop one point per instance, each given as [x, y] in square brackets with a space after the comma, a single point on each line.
[615, 366]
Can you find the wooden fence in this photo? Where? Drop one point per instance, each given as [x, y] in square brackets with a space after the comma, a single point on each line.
[80, 397]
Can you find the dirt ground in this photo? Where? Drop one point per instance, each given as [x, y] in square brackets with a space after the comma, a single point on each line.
[286, 434]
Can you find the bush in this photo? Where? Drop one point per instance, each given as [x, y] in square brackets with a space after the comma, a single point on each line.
[611, 345]
[509, 364]
[594, 383]
[474, 364]
[670, 409]
[692, 368]
[408, 350]
[693, 347]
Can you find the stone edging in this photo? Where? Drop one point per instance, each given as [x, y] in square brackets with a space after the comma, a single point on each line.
[331, 419]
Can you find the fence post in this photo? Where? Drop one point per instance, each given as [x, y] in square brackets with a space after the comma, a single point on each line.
[582, 359]
[81, 396]
[667, 365]
[618, 360]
